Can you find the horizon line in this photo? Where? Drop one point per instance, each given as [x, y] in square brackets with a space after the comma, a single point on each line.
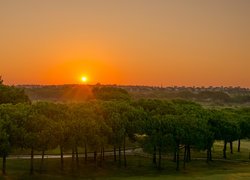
[137, 85]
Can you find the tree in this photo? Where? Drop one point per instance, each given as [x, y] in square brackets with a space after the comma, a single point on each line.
[1, 80]
[227, 128]
[243, 123]
[4, 144]
[61, 116]
[88, 127]
[12, 118]
[13, 95]
[157, 127]
[45, 127]
[189, 128]
[131, 118]
[113, 117]
[107, 93]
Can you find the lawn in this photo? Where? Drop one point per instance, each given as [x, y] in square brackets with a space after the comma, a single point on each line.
[217, 151]
[138, 168]
[236, 167]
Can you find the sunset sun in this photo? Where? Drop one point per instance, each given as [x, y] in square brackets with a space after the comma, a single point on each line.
[84, 79]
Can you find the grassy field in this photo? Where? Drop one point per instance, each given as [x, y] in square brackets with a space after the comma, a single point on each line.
[236, 167]
[138, 168]
[217, 151]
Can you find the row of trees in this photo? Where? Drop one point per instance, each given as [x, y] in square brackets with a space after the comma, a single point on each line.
[159, 126]
[11, 94]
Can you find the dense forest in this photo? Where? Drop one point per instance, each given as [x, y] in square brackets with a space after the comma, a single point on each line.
[77, 93]
[110, 118]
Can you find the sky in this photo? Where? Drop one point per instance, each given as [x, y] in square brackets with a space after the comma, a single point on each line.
[129, 42]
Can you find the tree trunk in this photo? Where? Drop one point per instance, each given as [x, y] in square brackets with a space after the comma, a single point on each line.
[103, 155]
[114, 153]
[95, 158]
[124, 152]
[224, 150]
[32, 161]
[42, 160]
[210, 154]
[188, 153]
[177, 157]
[159, 161]
[174, 159]
[239, 145]
[77, 156]
[61, 152]
[185, 157]
[95, 155]
[154, 155]
[4, 165]
[119, 155]
[86, 152]
[73, 154]
[231, 147]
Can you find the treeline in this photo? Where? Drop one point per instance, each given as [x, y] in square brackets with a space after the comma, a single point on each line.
[217, 97]
[77, 93]
[202, 96]
[158, 126]
[11, 94]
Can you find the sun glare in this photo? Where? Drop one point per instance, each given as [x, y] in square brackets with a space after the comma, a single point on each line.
[84, 79]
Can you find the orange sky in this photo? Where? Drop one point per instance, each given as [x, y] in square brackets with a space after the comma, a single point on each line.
[138, 42]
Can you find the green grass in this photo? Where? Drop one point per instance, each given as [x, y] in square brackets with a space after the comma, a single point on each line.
[140, 168]
[217, 151]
